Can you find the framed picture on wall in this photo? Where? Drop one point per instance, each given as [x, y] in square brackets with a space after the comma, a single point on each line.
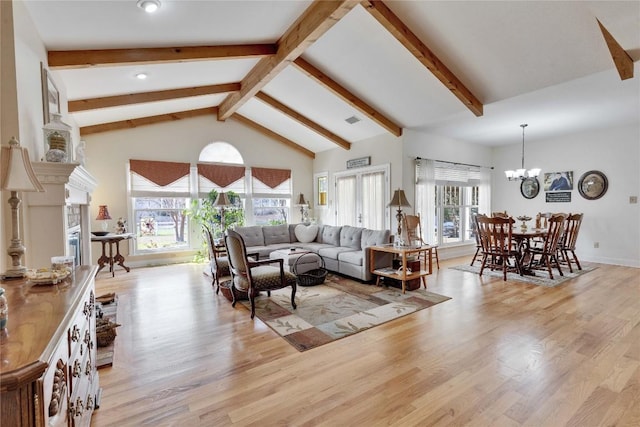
[50, 95]
[558, 181]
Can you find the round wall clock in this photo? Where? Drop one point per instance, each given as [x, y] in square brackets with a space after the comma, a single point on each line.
[530, 187]
[593, 185]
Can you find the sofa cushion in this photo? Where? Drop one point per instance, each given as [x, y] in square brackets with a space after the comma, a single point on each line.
[252, 235]
[374, 237]
[306, 233]
[351, 257]
[332, 252]
[350, 237]
[276, 234]
[331, 235]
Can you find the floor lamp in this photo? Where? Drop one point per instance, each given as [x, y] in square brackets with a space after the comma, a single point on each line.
[17, 175]
[399, 200]
[221, 202]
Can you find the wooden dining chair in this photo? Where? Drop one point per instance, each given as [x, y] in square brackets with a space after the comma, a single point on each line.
[498, 250]
[568, 241]
[500, 214]
[413, 225]
[476, 235]
[541, 257]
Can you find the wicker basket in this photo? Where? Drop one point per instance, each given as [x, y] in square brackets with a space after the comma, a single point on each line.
[312, 277]
[105, 332]
[226, 288]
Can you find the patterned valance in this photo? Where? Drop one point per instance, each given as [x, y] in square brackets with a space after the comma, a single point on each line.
[160, 173]
[221, 175]
[271, 177]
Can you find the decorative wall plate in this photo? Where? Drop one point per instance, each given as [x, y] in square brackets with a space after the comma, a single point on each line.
[530, 187]
[592, 185]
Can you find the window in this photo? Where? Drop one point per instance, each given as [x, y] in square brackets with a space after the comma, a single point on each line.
[160, 193]
[271, 196]
[447, 196]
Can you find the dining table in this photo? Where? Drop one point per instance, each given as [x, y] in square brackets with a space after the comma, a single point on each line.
[523, 242]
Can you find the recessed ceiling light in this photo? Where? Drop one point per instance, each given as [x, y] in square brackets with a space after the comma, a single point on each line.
[141, 76]
[149, 6]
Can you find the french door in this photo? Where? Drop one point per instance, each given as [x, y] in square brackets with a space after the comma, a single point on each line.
[361, 197]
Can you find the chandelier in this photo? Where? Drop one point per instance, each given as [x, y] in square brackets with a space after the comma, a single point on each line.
[522, 173]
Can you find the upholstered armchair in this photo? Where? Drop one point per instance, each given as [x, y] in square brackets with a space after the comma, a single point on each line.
[218, 261]
[255, 276]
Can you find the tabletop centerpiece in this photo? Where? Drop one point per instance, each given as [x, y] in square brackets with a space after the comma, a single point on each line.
[524, 219]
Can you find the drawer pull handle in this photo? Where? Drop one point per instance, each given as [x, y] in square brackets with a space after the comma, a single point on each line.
[87, 369]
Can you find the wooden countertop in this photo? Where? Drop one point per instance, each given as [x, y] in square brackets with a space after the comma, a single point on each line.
[38, 318]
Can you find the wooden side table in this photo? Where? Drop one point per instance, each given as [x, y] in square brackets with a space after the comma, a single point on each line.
[403, 252]
[111, 259]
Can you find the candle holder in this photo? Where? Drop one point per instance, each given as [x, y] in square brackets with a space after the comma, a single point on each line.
[524, 220]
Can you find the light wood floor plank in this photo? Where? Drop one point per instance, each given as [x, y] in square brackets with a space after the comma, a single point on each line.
[497, 354]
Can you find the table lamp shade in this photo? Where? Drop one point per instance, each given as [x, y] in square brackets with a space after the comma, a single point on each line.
[17, 173]
[103, 213]
[301, 200]
[399, 199]
[222, 200]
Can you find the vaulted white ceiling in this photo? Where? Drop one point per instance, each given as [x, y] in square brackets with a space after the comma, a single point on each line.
[540, 62]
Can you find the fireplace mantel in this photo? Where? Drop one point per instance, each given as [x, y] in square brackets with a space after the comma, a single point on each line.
[47, 227]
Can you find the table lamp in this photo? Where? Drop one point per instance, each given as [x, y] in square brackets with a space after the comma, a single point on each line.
[221, 202]
[303, 204]
[17, 175]
[399, 200]
[103, 215]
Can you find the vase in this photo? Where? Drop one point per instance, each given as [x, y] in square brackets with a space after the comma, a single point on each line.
[57, 137]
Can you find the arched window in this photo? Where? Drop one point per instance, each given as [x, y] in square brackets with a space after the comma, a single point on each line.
[221, 152]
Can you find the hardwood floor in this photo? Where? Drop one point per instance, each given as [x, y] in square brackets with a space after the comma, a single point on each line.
[496, 354]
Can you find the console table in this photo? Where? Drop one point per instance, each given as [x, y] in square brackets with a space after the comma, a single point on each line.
[111, 259]
[48, 351]
[403, 252]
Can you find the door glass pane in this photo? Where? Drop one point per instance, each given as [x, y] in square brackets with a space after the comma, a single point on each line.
[373, 206]
[346, 200]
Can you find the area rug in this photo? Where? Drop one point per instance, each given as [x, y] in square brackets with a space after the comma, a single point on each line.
[336, 309]
[541, 278]
[105, 354]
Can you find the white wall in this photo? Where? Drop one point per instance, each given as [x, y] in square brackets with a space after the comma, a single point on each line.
[383, 149]
[611, 220]
[181, 141]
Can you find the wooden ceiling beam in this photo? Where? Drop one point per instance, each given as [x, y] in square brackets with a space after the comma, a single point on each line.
[621, 59]
[313, 23]
[412, 43]
[64, 59]
[305, 121]
[271, 134]
[139, 98]
[351, 99]
[143, 121]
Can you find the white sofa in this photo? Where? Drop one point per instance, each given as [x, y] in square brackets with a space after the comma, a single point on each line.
[344, 249]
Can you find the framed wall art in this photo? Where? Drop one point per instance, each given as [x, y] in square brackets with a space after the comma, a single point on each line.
[530, 187]
[592, 185]
[50, 96]
[558, 181]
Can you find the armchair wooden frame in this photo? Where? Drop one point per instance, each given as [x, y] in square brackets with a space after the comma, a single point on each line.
[253, 276]
[413, 225]
[218, 260]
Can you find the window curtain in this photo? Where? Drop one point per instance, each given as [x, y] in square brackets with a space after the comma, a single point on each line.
[484, 193]
[159, 179]
[373, 201]
[346, 200]
[220, 178]
[425, 192]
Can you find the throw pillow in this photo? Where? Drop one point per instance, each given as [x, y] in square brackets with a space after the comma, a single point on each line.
[306, 233]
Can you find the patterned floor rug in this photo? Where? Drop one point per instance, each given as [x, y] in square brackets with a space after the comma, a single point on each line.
[541, 278]
[336, 309]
